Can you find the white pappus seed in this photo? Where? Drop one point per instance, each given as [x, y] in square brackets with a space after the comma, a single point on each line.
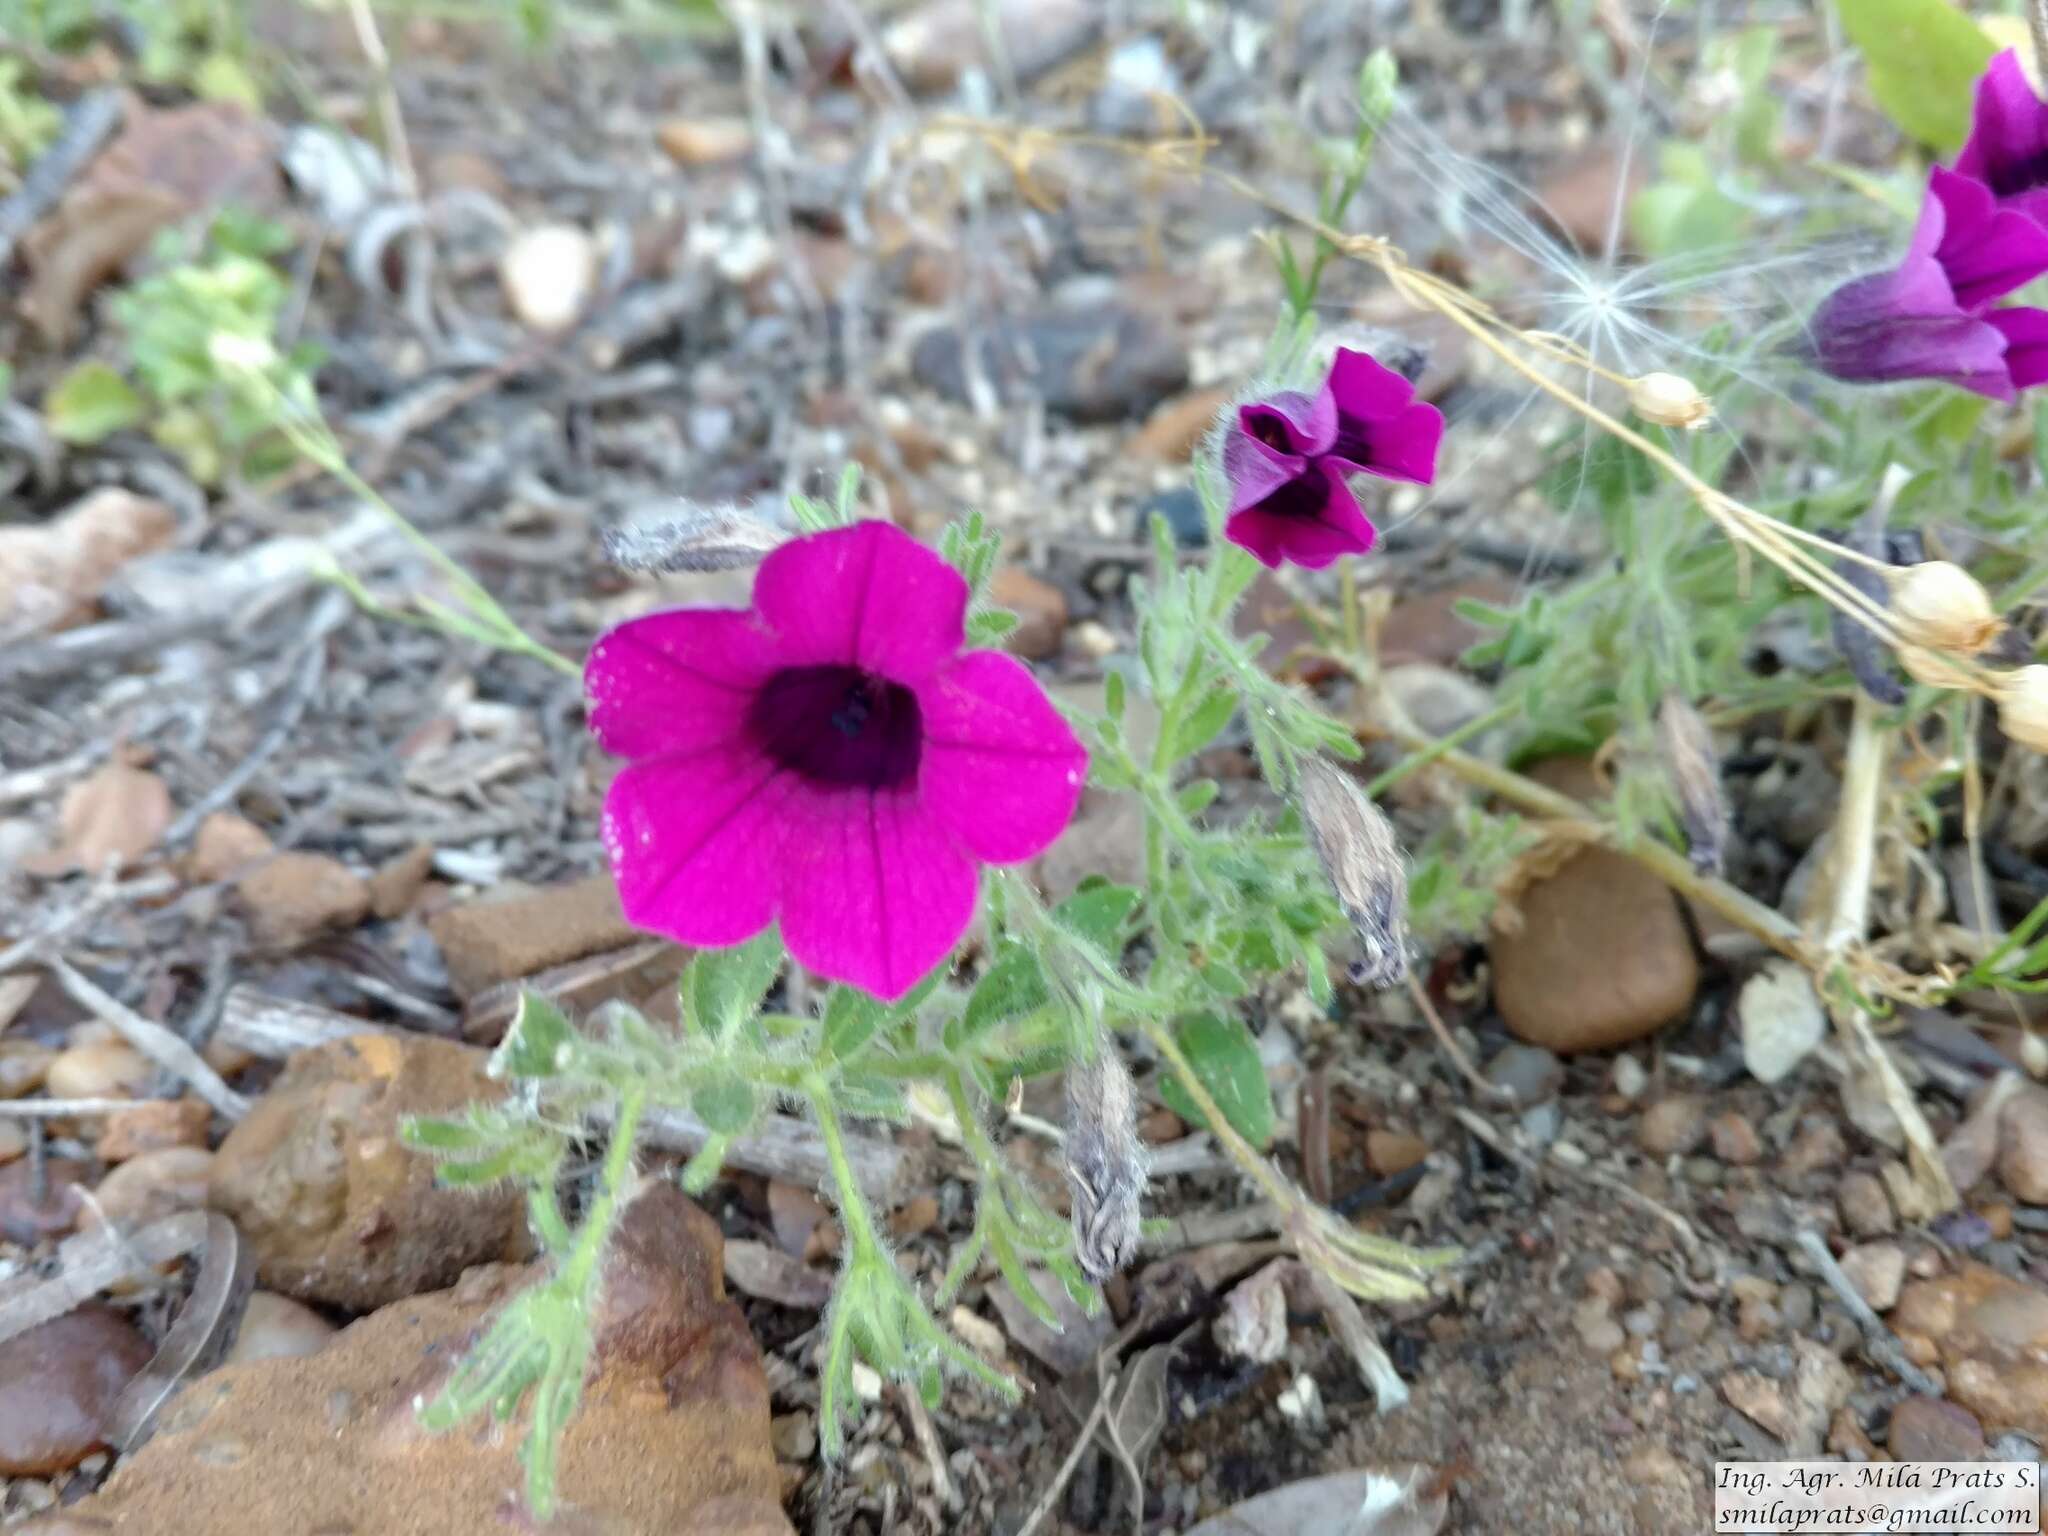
[1355, 842]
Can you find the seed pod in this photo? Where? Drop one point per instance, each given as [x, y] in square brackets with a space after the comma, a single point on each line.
[1669, 401]
[709, 538]
[1869, 662]
[2023, 706]
[1933, 668]
[1687, 748]
[1106, 1162]
[1356, 844]
[1941, 607]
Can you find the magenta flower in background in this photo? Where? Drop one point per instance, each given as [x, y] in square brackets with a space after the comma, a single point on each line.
[1930, 317]
[2007, 150]
[831, 758]
[1289, 459]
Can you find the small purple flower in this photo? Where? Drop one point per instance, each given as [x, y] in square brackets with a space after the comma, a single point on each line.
[2007, 150]
[1929, 318]
[1290, 457]
[831, 758]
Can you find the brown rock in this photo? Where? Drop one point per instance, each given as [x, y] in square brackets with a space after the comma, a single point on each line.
[26, 1220]
[297, 896]
[2023, 1146]
[1877, 1270]
[465, 170]
[1817, 1144]
[112, 817]
[1390, 1152]
[338, 1211]
[1866, 1209]
[1673, 1126]
[1428, 628]
[1600, 956]
[396, 884]
[58, 1381]
[671, 1435]
[1991, 1336]
[23, 1066]
[1175, 430]
[275, 1327]
[152, 1127]
[102, 1069]
[1932, 1429]
[1041, 611]
[1734, 1139]
[1760, 1399]
[224, 846]
[149, 1187]
[52, 573]
[486, 942]
[705, 140]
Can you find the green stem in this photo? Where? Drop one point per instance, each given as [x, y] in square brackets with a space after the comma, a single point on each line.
[853, 1205]
[1423, 757]
[581, 1269]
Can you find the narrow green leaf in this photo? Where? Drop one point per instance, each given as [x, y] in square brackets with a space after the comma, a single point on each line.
[1924, 58]
[1205, 723]
[91, 403]
[426, 1134]
[1225, 1057]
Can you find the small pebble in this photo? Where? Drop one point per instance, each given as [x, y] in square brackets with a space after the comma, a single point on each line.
[1734, 1139]
[275, 1327]
[1795, 1305]
[1934, 1429]
[23, 1066]
[1866, 1208]
[1629, 1078]
[151, 1186]
[1817, 1144]
[794, 1435]
[103, 1070]
[1877, 1270]
[1529, 1072]
[1673, 1126]
[58, 1382]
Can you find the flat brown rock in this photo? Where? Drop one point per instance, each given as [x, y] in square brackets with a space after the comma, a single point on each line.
[337, 1209]
[487, 942]
[1991, 1334]
[672, 1435]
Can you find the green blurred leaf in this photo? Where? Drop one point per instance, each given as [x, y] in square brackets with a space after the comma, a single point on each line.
[1098, 914]
[1225, 1057]
[1010, 988]
[851, 1019]
[534, 1043]
[724, 987]
[1205, 722]
[725, 1103]
[990, 625]
[1924, 58]
[91, 403]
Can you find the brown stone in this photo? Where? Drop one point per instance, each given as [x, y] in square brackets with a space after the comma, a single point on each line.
[1991, 1336]
[1734, 1139]
[275, 1327]
[149, 1187]
[26, 1220]
[23, 1066]
[224, 846]
[1931, 1429]
[1673, 1126]
[1866, 1209]
[487, 942]
[1877, 1270]
[336, 1208]
[1041, 610]
[1390, 1152]
[110, 818]
[705, 140]
[58, 1381]
[396, 884]
[1600, 955]
[1429, 628]
[297, 896]
[152, 1126]
[2023, 1146]
[671, 1435]
[99, 1069]
[1176, 428]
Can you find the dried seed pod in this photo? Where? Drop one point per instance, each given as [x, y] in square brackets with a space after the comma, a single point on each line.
[1106, 1163]
[2023, 706]
[1669, 401]
[1941, 607]
[1933, 668]
[1356, 844]
[1868, 660]
[1687, 748]
[722, 537]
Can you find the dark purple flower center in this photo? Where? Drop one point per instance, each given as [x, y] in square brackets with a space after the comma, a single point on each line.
[839, 725]
[1267, 429]
[1354, 440]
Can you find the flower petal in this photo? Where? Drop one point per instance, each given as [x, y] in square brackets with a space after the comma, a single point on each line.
[869, 595]
[1301, 424]
[1001, 769]
[1987, 251]
[1315, 522]
[1365, 388]
[695, 843]
[2008, 145]
[2026, 343]
[1906, 325]
[675, 682]
[1401, 448]
[1256, 470]
[875, 892]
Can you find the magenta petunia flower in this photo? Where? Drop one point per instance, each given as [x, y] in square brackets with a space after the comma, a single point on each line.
[2007, 150]
[1930, 317]
[1289, 461]
[831, 758]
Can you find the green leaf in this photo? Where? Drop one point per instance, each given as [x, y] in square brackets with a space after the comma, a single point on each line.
[851, 1019]
[1377, 79]
[1225, 1057]
[1098, 914]
[725, 1103]
[1206, 722]
[533, 1046]
[1010, 988]
[91, 403]
[1112, 685]
[724, 987]
[990, 625]
[1924, 58]
[427, 1134]
[223, 77]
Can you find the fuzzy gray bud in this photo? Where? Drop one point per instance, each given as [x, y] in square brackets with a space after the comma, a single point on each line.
[1106, 1163]
[1356, 844]
[721, 537]
[1694, 772]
